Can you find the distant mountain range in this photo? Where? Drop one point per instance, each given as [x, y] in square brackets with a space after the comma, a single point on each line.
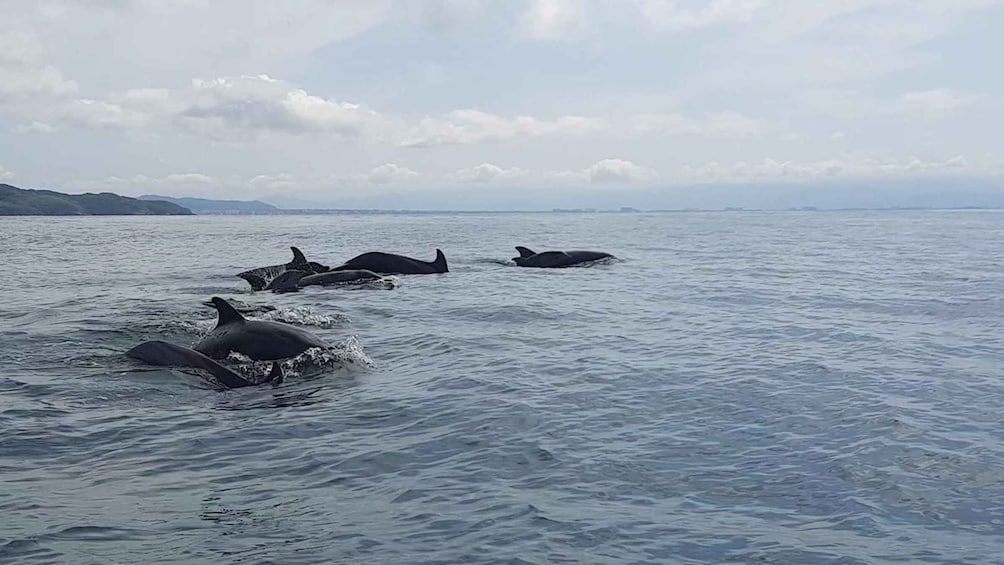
[945, 192]
[207, 206]
[16, 201]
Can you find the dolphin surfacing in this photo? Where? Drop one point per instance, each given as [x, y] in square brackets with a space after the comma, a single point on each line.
[391, 264]
[261, 341]
[293, 280]
[556, 259]
[260, 277]
[165, 354]
[287, 281]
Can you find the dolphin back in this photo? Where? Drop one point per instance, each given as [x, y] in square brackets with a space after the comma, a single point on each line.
[166, 354]
[288, 281]
[585, 256]
[393, 264]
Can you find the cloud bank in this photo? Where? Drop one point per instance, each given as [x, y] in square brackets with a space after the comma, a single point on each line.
[336, 98]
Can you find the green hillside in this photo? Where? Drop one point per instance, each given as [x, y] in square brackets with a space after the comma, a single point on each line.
[16, 201]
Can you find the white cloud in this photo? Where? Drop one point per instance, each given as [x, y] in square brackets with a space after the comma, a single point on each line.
[247, 107]
[606, 171]
[235, 106]
[23, 72]
[97, 114]
[5, 175]
[485, 172]
[959, 162]
[244, 186]
[35, 127]
[173, 179]
[22, 84]
[186, 38]
[194, 183]
[553, 19]
[938, 101]
[19, 50]
[722, 124]
[468, 127]
[672, 15]
[390, 172]
[188, 178]
[848, 166]
[148, 100]
[281, 181]
[838, 135]
[618, 171]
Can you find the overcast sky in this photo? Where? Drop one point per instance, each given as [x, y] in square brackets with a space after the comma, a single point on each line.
[324, 99]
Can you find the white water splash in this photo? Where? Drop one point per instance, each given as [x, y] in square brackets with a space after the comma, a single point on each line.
[345, 355]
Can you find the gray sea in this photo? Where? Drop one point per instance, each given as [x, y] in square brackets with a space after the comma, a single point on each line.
[742, 387]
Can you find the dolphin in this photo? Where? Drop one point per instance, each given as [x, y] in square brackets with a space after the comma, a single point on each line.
[293, 279]
[259, 277]
[391, 264]
[261, 341]
[556, 259]
[165, 354]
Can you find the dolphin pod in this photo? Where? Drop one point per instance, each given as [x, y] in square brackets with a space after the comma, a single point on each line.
[377, 262]
[275, 341]
[300, 272]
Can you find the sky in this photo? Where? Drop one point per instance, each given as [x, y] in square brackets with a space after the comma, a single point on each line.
[430, 101]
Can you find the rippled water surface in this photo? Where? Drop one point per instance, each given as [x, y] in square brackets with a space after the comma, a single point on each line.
[742, 388]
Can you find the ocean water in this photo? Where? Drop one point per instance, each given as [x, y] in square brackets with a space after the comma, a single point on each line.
[783, 388]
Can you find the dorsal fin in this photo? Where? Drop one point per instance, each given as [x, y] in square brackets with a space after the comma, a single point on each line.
[298, 257]
[525, 251]
[228, 314]
[275, 376]
[440, 262]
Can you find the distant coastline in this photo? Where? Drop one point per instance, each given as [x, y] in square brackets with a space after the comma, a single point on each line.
[16, 201]
[210, 206]
[375, 212]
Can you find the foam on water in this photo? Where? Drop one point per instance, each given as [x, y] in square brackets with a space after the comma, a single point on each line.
[304, 316]
[347, 354]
